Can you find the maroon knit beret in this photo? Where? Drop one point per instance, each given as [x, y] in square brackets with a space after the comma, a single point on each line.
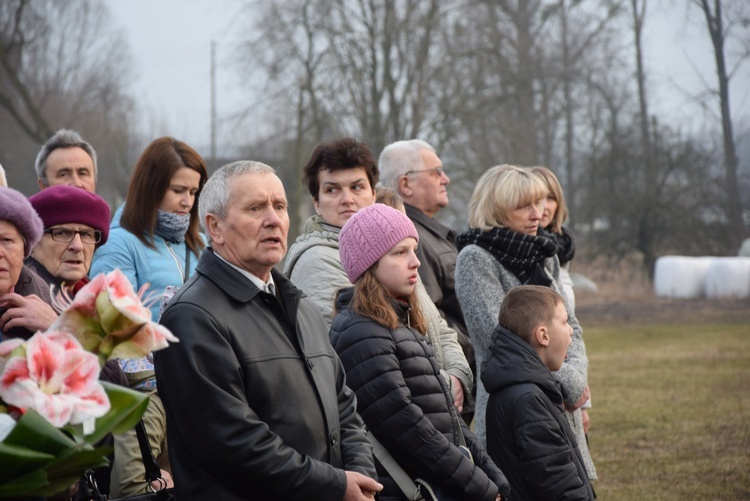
[63, 204]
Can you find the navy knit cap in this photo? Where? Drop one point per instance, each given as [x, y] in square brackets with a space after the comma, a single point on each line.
[16, 209]
[369, 234]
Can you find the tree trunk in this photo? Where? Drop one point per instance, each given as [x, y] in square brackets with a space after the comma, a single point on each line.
[715, 25]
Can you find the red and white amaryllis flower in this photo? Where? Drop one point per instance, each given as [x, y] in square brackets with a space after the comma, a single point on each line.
[110, 319]
[56, 377]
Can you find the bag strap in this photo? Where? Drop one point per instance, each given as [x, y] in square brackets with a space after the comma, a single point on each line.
[404, 482]
[187, 263]
[153, 472]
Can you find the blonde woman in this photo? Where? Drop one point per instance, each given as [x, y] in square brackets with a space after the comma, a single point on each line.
[502, 250]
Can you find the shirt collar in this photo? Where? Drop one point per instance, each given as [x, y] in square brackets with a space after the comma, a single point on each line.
[269, 286]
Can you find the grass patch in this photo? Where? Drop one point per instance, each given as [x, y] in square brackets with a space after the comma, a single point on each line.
[671, 415]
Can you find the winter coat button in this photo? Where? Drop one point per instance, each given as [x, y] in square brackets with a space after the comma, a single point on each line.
[334, 439]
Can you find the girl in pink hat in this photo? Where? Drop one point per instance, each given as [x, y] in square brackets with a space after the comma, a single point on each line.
[378, 333]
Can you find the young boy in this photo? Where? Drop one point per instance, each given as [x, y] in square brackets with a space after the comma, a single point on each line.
[528, 436]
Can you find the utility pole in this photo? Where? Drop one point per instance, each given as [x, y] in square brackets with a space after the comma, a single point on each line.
[213, 100]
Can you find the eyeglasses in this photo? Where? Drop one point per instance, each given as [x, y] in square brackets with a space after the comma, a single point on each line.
[65, 235]
[438, 171]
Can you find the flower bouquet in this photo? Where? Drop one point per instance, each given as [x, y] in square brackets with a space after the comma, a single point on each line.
[53, 408]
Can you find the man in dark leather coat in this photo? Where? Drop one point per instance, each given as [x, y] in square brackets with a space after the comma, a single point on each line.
[256, 398]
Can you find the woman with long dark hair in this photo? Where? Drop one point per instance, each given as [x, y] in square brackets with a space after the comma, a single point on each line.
[154, 239]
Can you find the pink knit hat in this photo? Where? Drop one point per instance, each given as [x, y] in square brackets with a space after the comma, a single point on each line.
[369, 234]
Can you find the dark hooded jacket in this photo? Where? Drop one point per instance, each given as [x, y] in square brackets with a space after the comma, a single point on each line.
[406, 405]
[528, 435]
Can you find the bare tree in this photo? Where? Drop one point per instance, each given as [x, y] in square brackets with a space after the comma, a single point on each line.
[720, 27]
[62, 64]
[20, 27]
[368, 69]
[581, 38]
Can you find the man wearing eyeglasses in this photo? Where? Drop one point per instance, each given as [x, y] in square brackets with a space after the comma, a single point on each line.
[76, 222]
[414, 170]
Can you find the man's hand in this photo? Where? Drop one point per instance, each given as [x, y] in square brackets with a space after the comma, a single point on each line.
[458, 393]
[26, 311]
[360, 487]
[584, 398]
[165, 482]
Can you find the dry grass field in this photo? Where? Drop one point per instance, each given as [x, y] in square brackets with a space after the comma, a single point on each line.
[670, 381]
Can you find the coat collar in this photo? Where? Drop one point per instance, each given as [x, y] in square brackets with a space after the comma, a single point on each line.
[233, 283]
[430, 223]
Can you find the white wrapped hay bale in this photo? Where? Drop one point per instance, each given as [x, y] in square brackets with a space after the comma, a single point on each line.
[745, 248]
[681, 276]
[728, 277]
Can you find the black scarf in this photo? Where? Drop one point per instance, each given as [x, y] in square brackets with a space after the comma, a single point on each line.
[522, 254]
[566, 247]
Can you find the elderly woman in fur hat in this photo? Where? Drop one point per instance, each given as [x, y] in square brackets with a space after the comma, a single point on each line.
[24, 296]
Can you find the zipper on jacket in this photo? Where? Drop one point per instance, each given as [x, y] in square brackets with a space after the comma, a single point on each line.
[176, 260]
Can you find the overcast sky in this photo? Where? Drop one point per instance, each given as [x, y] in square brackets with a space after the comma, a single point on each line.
[171, 46]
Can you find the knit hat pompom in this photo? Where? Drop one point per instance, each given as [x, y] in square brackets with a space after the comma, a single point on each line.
[16, 209]
[369, 234]
[63, 204]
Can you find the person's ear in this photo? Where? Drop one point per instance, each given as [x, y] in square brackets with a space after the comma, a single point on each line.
[316, 205]
[403, 187]
[541, 334]
[214, 229]
[40, 183]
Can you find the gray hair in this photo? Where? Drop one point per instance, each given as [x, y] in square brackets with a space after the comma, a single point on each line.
[63, 138]
[214, 198]
[399, 158]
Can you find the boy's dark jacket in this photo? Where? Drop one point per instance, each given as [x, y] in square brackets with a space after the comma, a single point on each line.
[528, 435]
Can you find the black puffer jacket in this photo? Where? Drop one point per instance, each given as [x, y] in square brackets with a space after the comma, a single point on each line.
[528, 435]
[404, 402]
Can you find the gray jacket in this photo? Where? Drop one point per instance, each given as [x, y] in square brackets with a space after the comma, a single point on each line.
[481, 285]
[438, 253]
[314, 266]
